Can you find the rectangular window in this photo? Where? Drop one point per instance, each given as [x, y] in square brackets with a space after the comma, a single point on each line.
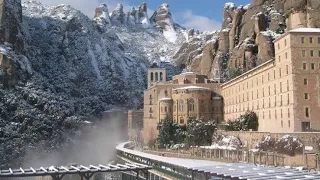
[304, 65]
[318, 40]
[286, 55]
[281, 100]
[307, 111]
[285, 42]
[280, 72]
[269, 91]
[319, 53]
[278, 46]
[288, 100]
[310, 39]
[281, 124]
[280, 86]
[311, 53]
[305, 126]
[269, 114]
[288, 85]
[312, 66]
[275, 89]
[275, 114]
[303, 53]
[275, 101]
[305, 81]
[302, 39]
[287, 69]
[274, 74]
[279, 58]
[288, 113]
[306, 95]
[281, 114]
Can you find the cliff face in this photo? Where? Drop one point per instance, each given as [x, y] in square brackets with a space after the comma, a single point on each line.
[246, 36]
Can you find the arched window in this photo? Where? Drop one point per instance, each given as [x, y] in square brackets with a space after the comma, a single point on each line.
[161, 76]
[151, 76]
[181, 105]
[191, 105]
[157, 77]
[181, 120]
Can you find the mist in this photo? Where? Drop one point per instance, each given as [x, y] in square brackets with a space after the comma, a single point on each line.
[96, 145]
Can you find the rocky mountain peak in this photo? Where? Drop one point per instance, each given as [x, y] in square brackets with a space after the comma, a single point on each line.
[117, 15]
[101, 17]
[245, 39]
[162, 19]
[142, 7]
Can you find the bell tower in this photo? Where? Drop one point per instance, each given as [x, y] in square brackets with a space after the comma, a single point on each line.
[156, 75]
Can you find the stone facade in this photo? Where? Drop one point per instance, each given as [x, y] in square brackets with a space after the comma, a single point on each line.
[135, 125]
[284, 92]
[187, 95]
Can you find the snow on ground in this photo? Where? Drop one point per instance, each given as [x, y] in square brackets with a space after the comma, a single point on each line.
[170, 35]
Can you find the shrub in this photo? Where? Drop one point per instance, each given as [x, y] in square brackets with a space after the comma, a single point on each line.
[289, 145]
[244, 123]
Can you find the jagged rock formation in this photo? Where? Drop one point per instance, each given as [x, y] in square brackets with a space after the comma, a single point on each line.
[101, 17]
[162, 19]
[117, 15]
[247, 33]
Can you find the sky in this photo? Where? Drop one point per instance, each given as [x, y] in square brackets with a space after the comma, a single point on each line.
[203, 15]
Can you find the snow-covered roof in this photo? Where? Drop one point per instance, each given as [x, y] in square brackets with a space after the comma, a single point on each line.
[192, 88]
[165, 99]
[315, 30]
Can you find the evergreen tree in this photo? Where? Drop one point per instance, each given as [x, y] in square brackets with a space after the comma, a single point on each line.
[199, 133]
[245, 122]
[166, 132]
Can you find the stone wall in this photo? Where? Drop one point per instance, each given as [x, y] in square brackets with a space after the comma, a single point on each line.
[250, 139]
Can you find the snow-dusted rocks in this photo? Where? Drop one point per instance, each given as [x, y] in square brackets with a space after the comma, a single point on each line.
[101, 17]
[143, 15]
[162, 19]
[117, 15]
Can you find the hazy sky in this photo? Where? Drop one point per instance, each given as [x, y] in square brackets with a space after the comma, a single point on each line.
[199, 14]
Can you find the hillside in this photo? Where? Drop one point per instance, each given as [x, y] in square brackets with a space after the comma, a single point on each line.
[60, 70]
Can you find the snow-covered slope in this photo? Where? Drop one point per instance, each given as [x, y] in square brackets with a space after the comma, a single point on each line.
[64, 68]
